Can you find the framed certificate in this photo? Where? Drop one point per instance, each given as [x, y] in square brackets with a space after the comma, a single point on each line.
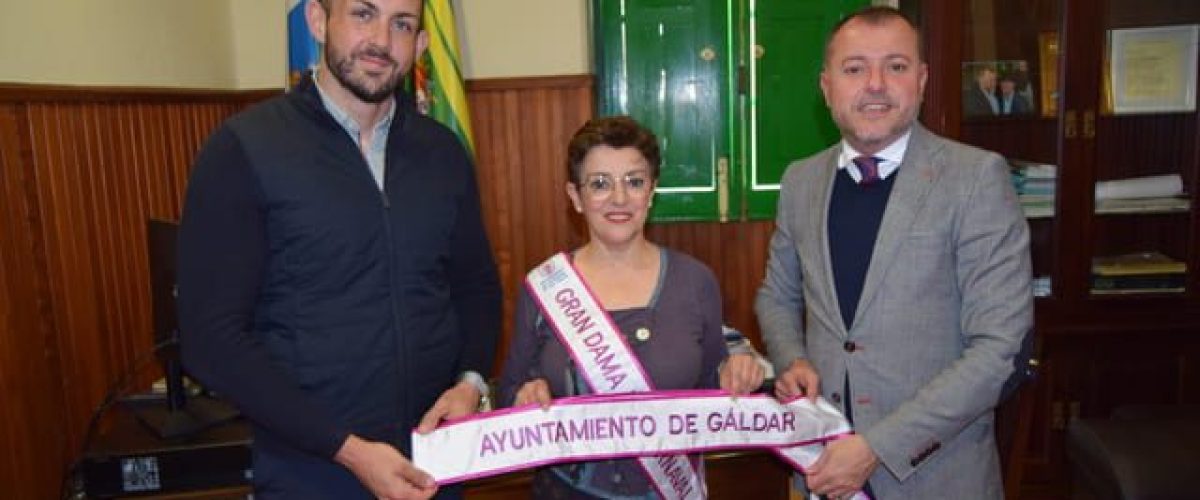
[1153, 70]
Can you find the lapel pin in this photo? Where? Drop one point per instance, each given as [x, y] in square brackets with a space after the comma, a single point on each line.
[642, 334]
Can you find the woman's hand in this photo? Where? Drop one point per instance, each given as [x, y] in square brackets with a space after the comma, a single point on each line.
[534, 391]
[741, 374]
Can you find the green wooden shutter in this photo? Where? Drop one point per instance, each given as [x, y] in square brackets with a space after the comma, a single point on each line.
[730, 87]
[666, 63]
[786, 117]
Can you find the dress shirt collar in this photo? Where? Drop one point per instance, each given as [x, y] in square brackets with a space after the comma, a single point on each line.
[889, 157]
[374, 157]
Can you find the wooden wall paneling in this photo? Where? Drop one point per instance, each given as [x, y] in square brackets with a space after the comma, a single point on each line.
[80, 171]
[102, 169]
[70, 279]
[110, 202]
[133, 179]
[522, 127]
[33, 448]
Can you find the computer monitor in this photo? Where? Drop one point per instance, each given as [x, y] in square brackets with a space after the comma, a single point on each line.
[177, 415]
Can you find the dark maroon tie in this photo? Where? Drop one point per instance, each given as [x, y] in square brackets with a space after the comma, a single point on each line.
[868, 168]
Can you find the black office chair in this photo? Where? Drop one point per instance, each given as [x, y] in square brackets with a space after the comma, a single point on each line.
[1139, 453]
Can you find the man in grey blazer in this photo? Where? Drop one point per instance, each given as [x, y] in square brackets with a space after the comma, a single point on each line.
[898, 284]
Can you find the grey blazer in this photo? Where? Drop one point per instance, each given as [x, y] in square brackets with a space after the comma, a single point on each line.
[944, 306]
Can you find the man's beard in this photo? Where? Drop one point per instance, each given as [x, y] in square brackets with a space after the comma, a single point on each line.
[343, 70]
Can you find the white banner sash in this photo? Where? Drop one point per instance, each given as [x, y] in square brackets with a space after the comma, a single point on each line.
[600, 352]
[647, 425]
[606, 362]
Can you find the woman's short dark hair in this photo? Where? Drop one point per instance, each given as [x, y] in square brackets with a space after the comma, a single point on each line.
[615, 132]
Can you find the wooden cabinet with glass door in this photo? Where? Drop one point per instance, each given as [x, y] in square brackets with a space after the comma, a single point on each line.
[1145, 151]
[1093, 101]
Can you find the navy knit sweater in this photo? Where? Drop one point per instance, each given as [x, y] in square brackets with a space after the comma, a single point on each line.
[855, 212]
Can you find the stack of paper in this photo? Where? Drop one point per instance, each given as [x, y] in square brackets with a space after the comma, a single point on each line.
[1151, 194]
[1154, 186]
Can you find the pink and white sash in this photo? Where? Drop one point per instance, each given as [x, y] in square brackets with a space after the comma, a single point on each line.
[604, 359]
[623, 419]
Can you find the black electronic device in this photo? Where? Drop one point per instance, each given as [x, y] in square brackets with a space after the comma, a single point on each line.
[179, 415]
[131, 460]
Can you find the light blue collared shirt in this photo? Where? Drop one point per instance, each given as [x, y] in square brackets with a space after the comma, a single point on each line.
[890, 158]
[375, 156]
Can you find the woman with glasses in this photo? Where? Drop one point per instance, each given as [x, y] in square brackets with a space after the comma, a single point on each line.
[667, 305]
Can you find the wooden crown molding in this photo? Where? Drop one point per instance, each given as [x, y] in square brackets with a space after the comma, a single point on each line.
[32, 92]
[530, 82]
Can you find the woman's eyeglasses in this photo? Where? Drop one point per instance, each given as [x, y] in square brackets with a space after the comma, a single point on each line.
[600, 186]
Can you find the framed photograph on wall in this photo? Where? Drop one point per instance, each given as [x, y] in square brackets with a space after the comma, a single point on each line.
[997, 88]
[1153, 70]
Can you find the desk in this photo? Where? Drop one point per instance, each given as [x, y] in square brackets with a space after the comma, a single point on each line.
[129, 460]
